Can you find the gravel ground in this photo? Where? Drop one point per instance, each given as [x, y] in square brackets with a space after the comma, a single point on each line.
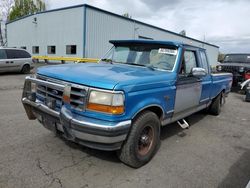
[213, 152]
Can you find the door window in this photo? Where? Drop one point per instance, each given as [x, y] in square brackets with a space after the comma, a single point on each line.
[189, 62]
[204, 61]
[2, 54]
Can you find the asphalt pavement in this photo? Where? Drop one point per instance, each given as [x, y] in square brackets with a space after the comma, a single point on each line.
[213, 152]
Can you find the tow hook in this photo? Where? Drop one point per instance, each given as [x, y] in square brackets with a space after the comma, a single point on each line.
[183, 124]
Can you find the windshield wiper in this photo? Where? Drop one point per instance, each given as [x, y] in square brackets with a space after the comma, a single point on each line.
[107, 60]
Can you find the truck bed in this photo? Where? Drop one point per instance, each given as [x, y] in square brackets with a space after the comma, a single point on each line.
[221, 81]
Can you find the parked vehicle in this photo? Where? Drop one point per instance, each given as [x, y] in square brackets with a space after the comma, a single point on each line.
[15, 60]
[122, 102]
[238, 65]
[245, 86]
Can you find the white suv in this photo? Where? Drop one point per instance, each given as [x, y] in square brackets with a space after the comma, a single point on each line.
[15, 60]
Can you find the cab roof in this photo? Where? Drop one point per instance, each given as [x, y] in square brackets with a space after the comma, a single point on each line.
[160, 42]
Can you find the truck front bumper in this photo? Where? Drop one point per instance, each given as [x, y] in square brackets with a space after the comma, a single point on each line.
[90, 132]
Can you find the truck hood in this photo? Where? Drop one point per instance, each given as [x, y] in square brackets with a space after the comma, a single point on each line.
[107, 76]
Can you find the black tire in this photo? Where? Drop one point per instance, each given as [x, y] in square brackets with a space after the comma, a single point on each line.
[217, 103]
[132, 149]
[26, 69]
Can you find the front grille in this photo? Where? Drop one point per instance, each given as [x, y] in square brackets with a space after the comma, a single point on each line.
[78, 97]
[78, 94]
[44, 93]
[230, 69]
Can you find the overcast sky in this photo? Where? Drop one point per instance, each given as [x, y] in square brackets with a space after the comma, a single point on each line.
[221, 22]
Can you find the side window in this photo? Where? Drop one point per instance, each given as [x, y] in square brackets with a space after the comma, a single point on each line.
[15, 54]
[11, 54]
[204, 61]
[189, 62]
[3, 54]
[24, 54]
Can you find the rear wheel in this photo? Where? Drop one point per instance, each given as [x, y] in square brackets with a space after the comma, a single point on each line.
[26, 69]
[217, 103]
[143, 140]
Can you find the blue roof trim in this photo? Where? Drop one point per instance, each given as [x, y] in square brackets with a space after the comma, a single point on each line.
[172, 43]
[116, 15]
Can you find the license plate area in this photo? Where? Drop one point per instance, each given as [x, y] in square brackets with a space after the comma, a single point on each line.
[50, 102]
[49, 124]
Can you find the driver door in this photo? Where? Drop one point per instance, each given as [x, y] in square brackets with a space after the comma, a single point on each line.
[188, 88]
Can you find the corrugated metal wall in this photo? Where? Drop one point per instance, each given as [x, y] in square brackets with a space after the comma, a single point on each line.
[66, 27]
[102, 27]
[59, 28]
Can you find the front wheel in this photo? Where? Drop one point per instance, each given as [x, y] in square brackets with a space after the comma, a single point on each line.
[142, 142]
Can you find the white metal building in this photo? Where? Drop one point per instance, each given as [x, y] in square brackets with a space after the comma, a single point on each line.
[84, 31]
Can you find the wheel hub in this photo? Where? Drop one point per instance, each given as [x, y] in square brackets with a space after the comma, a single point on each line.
[145, 140]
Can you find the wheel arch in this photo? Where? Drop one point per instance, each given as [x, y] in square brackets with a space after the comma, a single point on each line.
[26, 63]
[157, 109]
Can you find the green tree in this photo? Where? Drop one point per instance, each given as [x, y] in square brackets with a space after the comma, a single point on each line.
[25, 7]
[127, 15]
[221, 57]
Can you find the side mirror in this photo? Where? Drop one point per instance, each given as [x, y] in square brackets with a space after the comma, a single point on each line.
[198, 72]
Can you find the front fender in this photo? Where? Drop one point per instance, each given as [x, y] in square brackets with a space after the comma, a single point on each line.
[142, 106]
[162, 98]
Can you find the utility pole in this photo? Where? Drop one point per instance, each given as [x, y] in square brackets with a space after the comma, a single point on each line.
[1, 34]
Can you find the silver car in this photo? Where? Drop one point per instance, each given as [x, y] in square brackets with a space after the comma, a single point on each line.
[15, 60]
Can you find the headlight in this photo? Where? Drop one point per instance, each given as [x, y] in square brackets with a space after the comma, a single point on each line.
[101, 101]
[219, 68]
[241, 69]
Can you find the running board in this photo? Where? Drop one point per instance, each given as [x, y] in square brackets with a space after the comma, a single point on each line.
[183, 124]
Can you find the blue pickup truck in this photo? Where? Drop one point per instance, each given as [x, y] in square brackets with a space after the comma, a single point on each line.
[122, 102]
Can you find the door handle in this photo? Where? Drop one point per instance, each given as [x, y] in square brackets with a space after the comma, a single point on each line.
[12, 62]
[7, 62]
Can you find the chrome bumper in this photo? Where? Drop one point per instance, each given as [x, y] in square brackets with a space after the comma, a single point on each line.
[90, 132]
[94, 133]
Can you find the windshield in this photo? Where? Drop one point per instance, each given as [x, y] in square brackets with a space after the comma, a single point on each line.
[151, 56]
[237, 58]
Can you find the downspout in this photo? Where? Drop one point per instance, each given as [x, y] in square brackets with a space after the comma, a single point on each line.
[84, 30]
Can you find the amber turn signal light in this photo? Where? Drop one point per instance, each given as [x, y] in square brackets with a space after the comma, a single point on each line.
[105, 108]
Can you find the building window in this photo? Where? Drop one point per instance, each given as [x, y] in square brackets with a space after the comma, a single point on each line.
[51, 49]
[23, 47]
[35, 49]
[71, 49]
